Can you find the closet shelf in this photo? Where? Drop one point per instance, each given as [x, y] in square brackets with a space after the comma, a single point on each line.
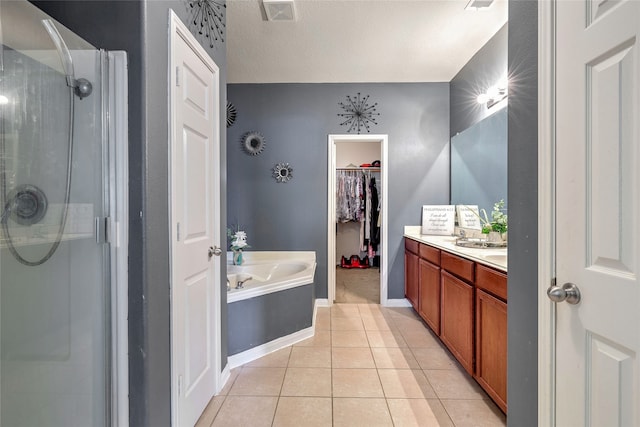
[359, 169]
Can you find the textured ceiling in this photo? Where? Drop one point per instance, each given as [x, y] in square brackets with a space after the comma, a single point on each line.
[357, 40]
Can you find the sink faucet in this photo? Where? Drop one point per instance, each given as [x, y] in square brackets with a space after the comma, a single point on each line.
[240, 283]
[228, 285]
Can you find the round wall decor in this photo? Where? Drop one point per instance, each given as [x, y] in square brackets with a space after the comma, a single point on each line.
[232, 113]
[282, 172]
[253, 143]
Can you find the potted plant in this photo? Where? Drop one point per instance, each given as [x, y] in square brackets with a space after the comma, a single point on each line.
[238, 243]
[496, 229]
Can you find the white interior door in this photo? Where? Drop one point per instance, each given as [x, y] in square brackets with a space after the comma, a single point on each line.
[597, 212]
[195, 224]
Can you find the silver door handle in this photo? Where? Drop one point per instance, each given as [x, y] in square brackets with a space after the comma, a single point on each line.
[214, 250]
[568, 292]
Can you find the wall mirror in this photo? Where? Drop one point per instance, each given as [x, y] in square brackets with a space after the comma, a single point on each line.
[479, 163]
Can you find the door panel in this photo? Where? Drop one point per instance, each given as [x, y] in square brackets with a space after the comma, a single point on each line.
[597, 212]
[195, 223]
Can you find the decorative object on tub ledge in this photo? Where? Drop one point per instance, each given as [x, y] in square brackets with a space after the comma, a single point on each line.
[253, 143]
[232, 113]
[358, 113]
[282, 172]
[238, 243]
[208, 19]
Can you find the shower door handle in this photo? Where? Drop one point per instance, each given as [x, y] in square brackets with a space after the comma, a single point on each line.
[214, 250]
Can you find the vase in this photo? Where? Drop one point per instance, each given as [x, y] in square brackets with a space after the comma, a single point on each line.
[496, 237]
[237, 257]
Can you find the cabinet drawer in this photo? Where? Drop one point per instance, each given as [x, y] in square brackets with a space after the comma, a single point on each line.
[411, 245]
[430, 254]
[461, 267]
[493, 281]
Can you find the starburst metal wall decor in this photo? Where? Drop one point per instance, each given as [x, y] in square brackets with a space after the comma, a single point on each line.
[282, 172]
[208, 19]
[232, 113]
[358, 113]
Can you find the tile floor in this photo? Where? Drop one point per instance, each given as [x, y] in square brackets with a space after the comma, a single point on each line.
[366, 365]
[355, 285]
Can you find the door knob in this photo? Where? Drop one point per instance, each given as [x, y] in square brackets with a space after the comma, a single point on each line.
[567, 292]
[214, 250]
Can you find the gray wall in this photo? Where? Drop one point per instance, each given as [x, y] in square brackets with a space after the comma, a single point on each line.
[482, 71]
[295, 120]
[522, 386]
[140, 27]
[256, 321]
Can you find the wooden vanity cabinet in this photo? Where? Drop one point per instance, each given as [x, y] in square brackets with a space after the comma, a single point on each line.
[429, 295]
[465, 304]
[411, 271]
[491, 334]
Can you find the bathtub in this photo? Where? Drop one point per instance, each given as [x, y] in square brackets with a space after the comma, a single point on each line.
[270, 271]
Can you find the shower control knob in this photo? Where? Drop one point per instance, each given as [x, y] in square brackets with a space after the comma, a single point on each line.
[214, 250]
[83, 88]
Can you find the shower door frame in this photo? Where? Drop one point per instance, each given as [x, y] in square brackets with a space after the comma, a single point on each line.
[115, 102]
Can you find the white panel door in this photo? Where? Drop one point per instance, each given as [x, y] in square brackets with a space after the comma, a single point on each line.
[195, 272]
[598, 236]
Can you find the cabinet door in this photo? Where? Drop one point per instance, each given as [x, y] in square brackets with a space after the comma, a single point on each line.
[456, 324]
[491, 347]
[411, 278]
[429, 306]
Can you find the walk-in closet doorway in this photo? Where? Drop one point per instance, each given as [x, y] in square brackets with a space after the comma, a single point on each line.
[336, 145]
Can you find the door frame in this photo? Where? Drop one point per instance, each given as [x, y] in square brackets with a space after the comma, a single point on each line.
[178, 29]
[546, 210]
[332, 140]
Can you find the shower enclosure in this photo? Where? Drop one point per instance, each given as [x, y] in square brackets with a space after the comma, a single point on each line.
[58, 303]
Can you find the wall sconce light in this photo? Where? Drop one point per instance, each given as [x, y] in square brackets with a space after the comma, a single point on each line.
[493, 95]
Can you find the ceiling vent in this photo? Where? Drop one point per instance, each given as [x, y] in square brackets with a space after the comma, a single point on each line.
[478, 4]
[279, 10]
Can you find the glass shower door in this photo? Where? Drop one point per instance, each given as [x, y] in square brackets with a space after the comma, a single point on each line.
[54, 284]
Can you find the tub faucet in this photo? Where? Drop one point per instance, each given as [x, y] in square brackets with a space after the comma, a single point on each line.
[240, 283]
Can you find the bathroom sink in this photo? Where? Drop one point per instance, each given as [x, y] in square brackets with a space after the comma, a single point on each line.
[497, 258]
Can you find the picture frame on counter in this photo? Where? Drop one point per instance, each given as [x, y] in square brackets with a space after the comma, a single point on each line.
[468, 216]
[438, 220]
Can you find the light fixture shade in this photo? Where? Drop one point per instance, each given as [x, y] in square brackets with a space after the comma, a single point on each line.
[279, 10]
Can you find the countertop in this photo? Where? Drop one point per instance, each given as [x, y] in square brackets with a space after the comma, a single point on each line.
[492, 257]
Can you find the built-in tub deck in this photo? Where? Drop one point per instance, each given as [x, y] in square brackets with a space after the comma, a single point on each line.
[265, 272]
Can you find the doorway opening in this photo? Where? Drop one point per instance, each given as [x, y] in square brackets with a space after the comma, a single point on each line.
[354, 156]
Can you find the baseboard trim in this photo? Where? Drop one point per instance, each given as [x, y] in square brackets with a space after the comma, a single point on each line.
[264, 349]
[319, 302]
[224, 377]
[402, 302]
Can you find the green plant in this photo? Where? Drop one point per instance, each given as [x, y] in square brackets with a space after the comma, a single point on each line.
[498, 219]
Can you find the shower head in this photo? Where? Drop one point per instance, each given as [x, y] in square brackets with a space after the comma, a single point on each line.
[81, 87]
